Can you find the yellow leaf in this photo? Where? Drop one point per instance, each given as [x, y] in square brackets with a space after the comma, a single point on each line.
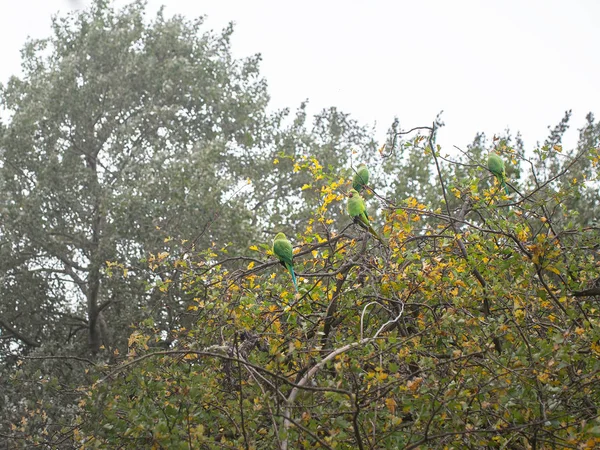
[251, 265]
[330, 197]
[557, 147]
[133, 338]
[254, 247]
[543, 377]
[125, 272]
[275, 161]
[553, 269]
[381, 376]
[396, 420]
[306, 186]
[390, 403]
[413, 385]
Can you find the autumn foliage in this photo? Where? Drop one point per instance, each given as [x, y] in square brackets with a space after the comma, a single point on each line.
[469, 328]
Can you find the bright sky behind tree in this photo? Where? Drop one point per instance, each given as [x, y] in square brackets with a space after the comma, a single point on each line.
[489, 65]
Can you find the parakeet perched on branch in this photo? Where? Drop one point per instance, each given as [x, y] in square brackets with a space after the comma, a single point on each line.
[282, 248]
[496, 166]
[358, 211]
[361, 178]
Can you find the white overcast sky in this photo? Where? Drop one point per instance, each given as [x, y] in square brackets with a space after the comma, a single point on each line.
[490, 65]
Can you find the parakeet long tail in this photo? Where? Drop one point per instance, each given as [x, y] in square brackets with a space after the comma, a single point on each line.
[369, 228]
[374, 233]
[502, 182]
[291, 271]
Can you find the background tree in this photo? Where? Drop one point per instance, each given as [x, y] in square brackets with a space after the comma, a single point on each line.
[122, 129]
[124, 132]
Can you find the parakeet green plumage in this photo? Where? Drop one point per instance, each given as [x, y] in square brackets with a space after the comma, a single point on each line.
[496, 166]
[282, 248]
[361, 178]
[358, 211]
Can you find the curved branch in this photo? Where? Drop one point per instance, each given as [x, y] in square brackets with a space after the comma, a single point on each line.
[21, 337]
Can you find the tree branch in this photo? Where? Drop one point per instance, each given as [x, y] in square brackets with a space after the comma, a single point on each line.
[26, 340]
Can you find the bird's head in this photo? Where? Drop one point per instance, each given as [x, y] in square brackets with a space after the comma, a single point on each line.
[279, 236]
[352, 193]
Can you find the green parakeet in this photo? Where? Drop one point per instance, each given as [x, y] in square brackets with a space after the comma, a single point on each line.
[496, 166]
[283, 250]
[358, 211]
[361, 178]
